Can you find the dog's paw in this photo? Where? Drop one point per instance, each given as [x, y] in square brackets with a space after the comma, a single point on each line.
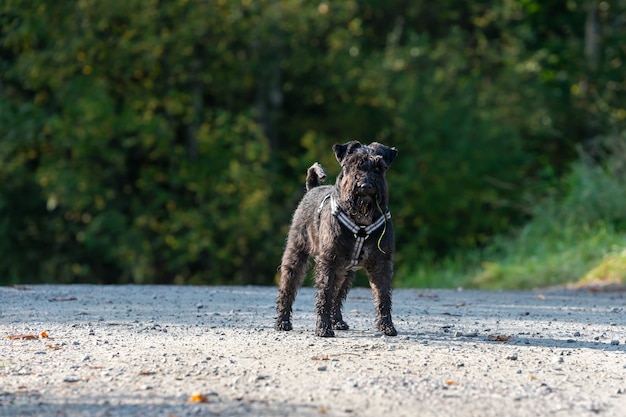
[283, 325]
[324, 329]
[340, 325]
[324, 332]
[387, 328]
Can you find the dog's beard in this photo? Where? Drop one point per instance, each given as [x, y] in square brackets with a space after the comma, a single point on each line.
[362, 209]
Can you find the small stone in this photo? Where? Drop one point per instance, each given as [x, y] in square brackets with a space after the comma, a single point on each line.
[71, 380]
[512, 356]
[199, 306]
[322, 368]
[615, 342]
[576, 334]
[558, 359]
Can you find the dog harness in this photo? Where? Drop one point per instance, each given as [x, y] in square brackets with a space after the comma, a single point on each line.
[361, 233]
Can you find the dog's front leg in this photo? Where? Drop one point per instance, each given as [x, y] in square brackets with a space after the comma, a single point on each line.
[342, 286]
[325, 282]
[380, 280]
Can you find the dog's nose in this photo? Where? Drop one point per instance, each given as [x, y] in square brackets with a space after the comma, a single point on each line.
[366, 188]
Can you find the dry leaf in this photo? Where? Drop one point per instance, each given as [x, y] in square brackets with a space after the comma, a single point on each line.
[43, 335]
[532, 377]
[20, 287]
[427, 295]
[63, 299]
[321, 358]
[146, 373]
[450, 382]
[499, 338]
[22, 336]
[198, 398]
[541, 297]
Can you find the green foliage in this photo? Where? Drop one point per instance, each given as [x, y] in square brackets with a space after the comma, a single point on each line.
[575, 235]
[167, 142]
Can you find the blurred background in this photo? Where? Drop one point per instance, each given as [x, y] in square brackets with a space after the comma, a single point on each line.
[166, 142]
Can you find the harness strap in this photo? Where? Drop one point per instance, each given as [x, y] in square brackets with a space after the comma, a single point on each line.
[361, 233]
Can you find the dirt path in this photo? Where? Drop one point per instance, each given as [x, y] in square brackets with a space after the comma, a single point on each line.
[144, 351]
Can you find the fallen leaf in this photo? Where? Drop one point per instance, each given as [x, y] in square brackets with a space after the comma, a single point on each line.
[499, 338]
[427, 295]
[63, 299]
[450, 382]
[146, 373]
[53, 347]
[532, 377]
[321, 358]
[22, 336]
[43, 335]
[198, 398]
[541, 297]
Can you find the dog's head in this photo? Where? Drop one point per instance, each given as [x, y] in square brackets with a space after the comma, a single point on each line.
[361, 182]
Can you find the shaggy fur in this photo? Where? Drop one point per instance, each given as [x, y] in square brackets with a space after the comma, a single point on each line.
[361, 192]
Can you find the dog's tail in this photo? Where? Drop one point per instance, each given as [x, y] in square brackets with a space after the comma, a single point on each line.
[315, 176]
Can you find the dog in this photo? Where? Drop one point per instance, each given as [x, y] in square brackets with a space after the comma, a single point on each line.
[344, 227]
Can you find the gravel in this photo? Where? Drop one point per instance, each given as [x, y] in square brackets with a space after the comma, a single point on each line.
[196, 351]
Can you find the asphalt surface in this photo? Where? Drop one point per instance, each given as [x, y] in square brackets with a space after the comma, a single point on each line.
[212, 351]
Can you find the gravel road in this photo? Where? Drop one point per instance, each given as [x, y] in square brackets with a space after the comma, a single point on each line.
[196, 351]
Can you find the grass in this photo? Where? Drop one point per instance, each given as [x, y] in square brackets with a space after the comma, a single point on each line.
[574, 256]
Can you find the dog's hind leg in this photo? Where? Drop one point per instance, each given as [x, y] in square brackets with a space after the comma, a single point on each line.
[292, 270]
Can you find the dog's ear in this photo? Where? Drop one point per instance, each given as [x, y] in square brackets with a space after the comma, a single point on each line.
[388, 153]
[343, 150]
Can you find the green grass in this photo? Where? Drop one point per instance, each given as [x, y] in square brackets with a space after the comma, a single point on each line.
[576, 255]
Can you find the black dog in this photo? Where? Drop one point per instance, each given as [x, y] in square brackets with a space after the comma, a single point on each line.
[345, 227]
